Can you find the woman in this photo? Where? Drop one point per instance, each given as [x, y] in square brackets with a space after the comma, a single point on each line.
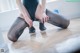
[33, 10]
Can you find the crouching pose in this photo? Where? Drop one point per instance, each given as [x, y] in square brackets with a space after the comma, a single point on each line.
[33, 10]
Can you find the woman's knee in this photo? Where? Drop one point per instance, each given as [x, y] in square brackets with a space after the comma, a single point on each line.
[16, 30]
[11, 37]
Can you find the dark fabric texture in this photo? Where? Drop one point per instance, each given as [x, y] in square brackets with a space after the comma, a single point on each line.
[31, 6]
[17, 29]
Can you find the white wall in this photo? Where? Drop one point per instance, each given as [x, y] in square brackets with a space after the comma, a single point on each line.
[7, 18]
[68, 9]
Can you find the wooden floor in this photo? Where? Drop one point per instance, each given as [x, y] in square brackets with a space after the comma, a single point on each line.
[43, 42]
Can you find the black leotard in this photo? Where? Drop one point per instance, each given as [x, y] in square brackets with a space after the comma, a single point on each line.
[31, 6]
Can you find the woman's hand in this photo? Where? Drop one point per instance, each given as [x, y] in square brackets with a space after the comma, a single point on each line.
[40, 14]
[42, 17]
[45, 17]
[29, 22]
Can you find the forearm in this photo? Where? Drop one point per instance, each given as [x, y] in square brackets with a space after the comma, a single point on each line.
[23, 10]
[40, 12]
[43, 5]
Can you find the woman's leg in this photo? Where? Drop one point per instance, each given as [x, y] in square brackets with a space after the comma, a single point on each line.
[41, 25]
[17, 29]
[57, 20]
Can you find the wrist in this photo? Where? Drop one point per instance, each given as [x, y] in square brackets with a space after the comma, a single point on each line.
[43, 11]
[26, 19]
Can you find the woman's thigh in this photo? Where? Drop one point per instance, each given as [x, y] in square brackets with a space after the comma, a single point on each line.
[17, 29]
[57, 19]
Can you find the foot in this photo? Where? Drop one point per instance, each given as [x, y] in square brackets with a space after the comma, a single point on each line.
[32, 30]
[42, 27]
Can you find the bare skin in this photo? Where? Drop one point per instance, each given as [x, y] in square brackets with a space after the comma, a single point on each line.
[39, 14]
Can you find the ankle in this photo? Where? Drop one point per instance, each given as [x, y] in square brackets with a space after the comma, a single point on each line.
[32, 30]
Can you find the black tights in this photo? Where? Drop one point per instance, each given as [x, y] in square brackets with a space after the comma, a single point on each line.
[19, 25]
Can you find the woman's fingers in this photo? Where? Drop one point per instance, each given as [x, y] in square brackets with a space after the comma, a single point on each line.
[47, 18]
[42, 20]
[29, 22]
[42, 17]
